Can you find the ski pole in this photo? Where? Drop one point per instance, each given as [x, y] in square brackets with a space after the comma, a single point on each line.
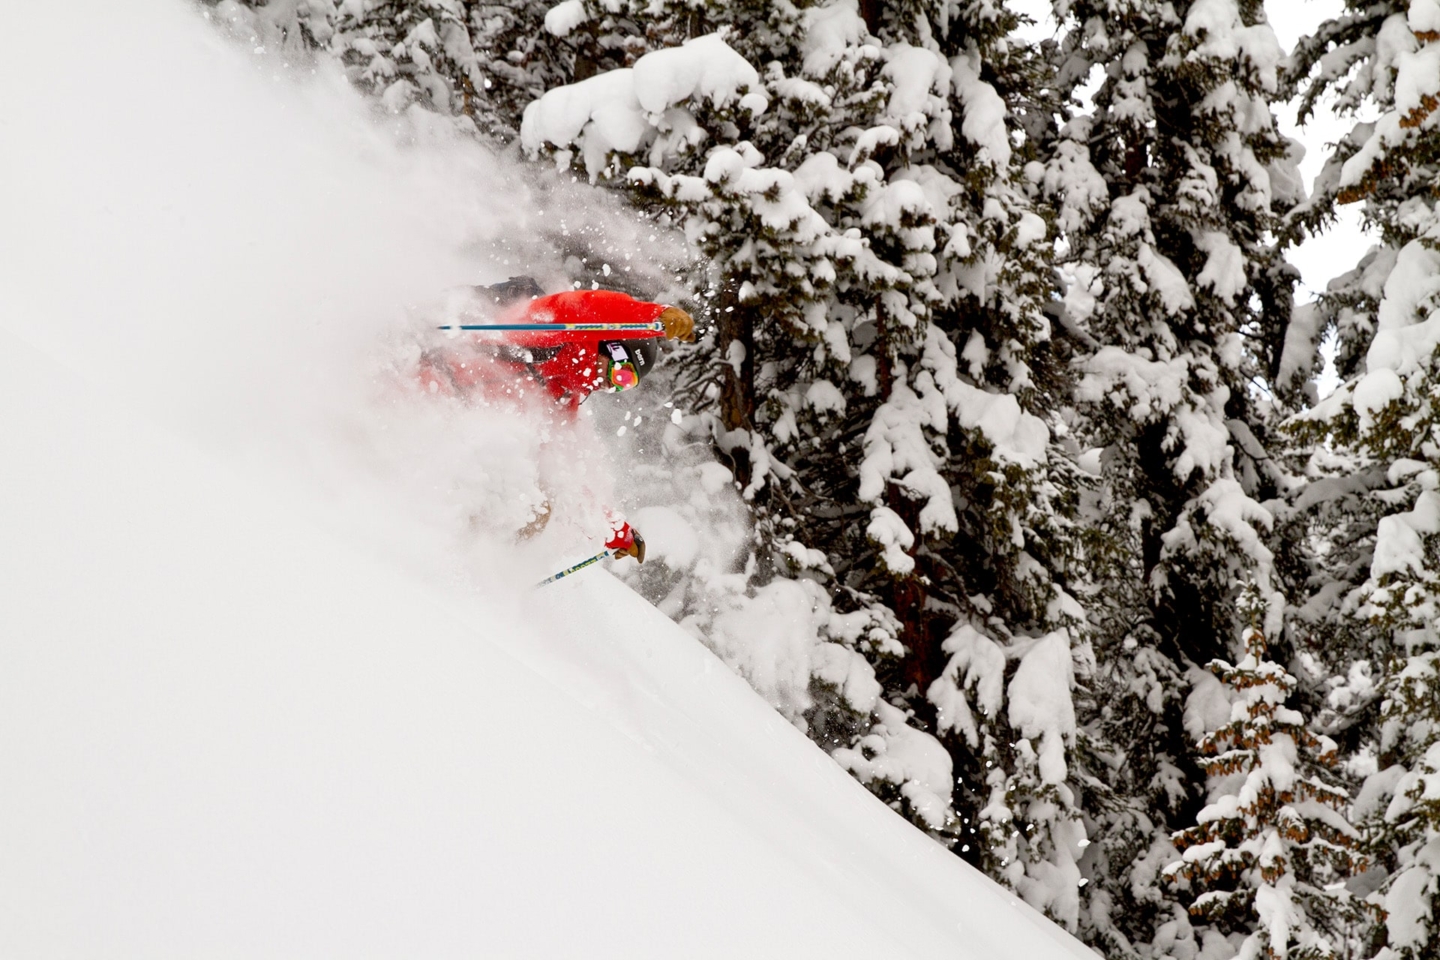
[541, 327]
[579, 566]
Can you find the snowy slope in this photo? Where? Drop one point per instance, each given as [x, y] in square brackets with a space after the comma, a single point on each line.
[259, 697]
[225, 731]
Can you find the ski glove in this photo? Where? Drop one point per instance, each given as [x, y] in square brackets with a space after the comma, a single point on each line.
[627, 542]
[679, 325]
[637, 547]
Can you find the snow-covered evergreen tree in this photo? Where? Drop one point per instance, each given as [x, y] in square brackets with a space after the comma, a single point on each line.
[410, 51]
[482, 62]
[1268, 850]
[1170, 191]
[288, 26]
[1169, 194]
[1385, 57]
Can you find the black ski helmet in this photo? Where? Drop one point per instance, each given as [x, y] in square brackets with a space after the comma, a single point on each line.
[642, 353]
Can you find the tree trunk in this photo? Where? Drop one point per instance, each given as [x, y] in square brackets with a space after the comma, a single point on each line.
[870, 11]
[737, 380]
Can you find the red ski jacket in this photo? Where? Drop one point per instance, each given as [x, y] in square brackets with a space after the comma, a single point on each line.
[565, 365]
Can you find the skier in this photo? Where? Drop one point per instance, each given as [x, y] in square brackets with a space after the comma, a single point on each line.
[555, 371]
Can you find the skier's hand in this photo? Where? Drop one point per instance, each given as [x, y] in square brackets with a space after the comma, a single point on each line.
[636, 548]
[626, 541]
[679, 325]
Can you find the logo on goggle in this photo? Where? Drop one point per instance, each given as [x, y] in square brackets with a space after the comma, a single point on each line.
[620, 370]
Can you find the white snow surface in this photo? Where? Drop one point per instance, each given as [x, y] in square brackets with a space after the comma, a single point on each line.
[227, 731]
[984, 123]
[263, 692]
[614, 110]
[564, 17]
[1424, 15]
[1040, 705]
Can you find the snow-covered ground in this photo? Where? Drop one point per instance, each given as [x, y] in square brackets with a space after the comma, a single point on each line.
[225, 730]
[262, 692]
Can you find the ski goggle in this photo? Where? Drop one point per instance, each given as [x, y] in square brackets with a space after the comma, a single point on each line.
[620, 370]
